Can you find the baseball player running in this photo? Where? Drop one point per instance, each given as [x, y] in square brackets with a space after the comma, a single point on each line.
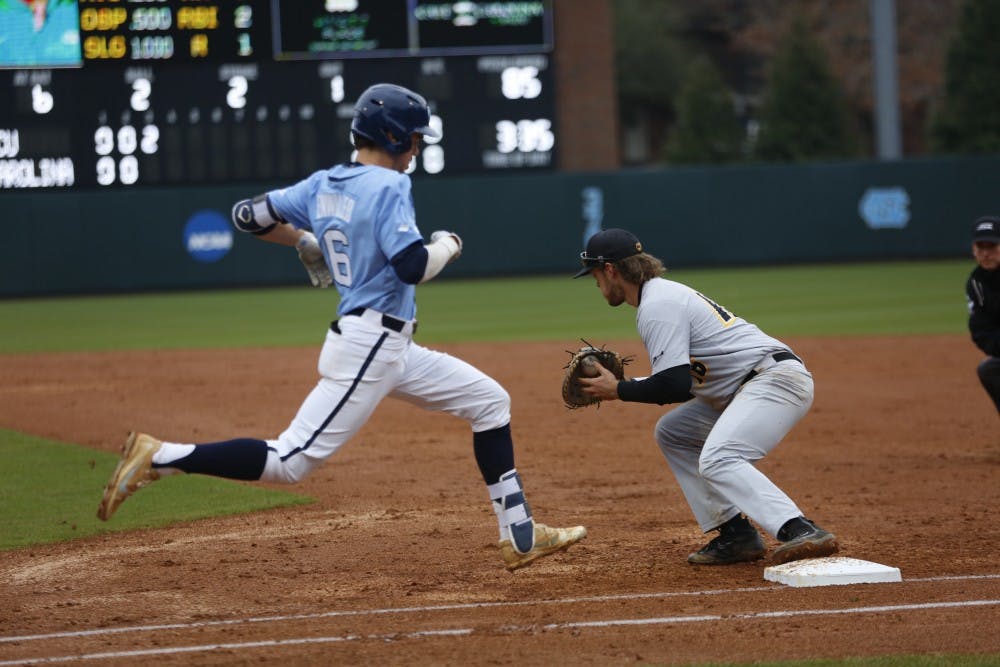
[749, 390]
[355, 225]
[983, 291]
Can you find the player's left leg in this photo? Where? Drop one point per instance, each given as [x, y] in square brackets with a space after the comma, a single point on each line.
[761, 413]
[681, 435]
[440, 382]
[357, 367]
[145, 459]
[989, 375]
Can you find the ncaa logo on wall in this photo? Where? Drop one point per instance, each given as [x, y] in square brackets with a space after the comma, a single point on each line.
[208, 236]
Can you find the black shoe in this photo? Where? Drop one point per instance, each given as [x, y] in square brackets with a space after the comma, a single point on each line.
[730, 547]
[801, 538]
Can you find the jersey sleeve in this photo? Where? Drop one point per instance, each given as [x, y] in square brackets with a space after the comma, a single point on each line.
[397, 223]
[292, 203]
[667, 336]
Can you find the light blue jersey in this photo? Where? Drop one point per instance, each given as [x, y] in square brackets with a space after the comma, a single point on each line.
[362, 216]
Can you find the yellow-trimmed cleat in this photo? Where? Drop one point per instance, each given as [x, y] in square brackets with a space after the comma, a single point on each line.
[134, 471]
[547, 541]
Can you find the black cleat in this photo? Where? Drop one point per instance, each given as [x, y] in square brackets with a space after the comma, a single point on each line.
[801, 538]
[731, 546]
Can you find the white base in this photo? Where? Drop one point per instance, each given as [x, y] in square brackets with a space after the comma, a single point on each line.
[831, 571]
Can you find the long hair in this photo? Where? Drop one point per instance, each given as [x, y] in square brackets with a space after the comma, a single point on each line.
[637, 269]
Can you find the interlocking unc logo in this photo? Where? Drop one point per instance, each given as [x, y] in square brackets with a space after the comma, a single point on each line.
[208, 236]
[885, 208]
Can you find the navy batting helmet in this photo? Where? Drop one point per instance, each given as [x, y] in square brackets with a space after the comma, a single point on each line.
[388, 114]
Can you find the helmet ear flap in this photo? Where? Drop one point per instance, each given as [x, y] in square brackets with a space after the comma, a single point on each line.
[397, 138]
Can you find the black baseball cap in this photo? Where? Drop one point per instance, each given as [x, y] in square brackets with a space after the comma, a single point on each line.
[608, 246]
[987, 228]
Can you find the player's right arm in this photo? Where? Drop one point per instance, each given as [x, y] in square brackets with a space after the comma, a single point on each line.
[672, 385]
[270, 215]
[258, 216]
[282, 217]
[665, 331]
[255, 216]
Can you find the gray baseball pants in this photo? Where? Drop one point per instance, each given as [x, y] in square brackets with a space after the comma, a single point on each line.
[712, 452]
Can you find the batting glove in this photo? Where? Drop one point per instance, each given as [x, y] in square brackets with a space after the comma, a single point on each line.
[440, 234]
[312, 258]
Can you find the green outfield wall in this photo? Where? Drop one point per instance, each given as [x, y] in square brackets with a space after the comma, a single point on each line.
[176, 238]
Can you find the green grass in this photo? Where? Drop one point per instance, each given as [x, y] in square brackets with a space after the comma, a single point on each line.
[51, 490]
[50, 493]
[827, 300]
[870, 299]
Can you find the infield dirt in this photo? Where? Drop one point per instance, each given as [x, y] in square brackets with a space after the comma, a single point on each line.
[397, 561]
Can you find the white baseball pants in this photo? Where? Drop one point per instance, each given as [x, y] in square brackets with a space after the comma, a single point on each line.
[359, 367]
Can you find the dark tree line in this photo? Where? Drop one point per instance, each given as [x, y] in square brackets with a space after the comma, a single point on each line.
[968, 120]
[801, 113]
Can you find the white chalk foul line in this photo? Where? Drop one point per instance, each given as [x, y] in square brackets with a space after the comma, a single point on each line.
[376, 612]
[770, 614]
[433, 608]
[462, 632]
[107, 655]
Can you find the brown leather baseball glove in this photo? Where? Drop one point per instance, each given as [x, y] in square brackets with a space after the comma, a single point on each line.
[581, 364]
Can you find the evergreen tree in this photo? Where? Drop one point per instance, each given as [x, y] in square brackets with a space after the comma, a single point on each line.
[805, 116]
[647, 54]
[707, 130]
[969, 118]
[649, 60]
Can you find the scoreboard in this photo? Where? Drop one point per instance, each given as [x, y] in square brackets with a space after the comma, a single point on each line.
[120, 93]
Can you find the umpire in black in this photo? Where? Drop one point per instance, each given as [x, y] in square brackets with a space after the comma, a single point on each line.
[983, 291]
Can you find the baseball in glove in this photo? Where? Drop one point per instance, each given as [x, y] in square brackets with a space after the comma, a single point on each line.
[582, 364]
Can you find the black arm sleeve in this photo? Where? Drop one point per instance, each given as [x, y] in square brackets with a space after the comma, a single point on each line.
[670, 386]
[410, 263]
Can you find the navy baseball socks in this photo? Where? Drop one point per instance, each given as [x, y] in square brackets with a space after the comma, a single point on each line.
[144, 459]
[522, 539]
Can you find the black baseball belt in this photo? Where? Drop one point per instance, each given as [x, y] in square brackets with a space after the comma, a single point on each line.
[388, 321]
[777, 356]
